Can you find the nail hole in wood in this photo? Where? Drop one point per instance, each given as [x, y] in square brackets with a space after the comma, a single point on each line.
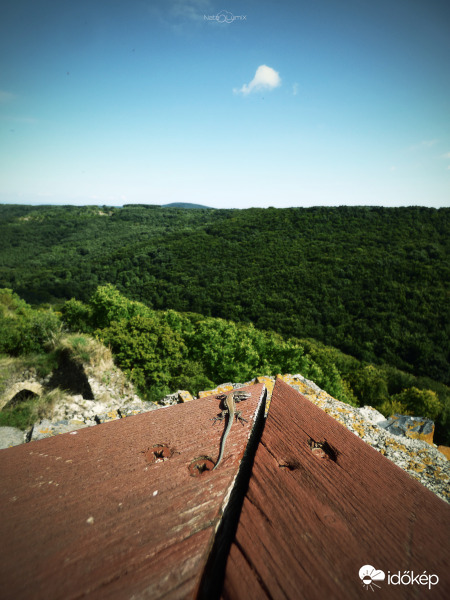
[323, 450]
[199, 465]
[158, 453]
[290, 466]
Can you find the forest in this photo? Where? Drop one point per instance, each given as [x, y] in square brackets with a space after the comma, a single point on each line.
[370, 281]
[162, 351]
[355, 298]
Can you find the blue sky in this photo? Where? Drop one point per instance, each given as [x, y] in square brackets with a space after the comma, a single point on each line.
[295, 103]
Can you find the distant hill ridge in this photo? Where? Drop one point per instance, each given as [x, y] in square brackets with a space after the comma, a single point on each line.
[185, 205]
[170, 205]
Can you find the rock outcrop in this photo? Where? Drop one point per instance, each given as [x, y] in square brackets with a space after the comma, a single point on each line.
[81, 392]
[20, 391]
[414, 428]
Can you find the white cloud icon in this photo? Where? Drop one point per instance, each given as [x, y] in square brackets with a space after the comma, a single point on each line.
[369, 575]
[224, 16]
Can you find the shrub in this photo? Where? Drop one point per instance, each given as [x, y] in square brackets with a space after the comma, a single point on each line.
[107, 304]
[421, 403]
[147, 349]
[23, 329]
[393, 407]
[77, 316]
[369, 385]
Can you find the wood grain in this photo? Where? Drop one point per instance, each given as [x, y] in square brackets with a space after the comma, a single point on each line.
[313, 516]
[118, 510]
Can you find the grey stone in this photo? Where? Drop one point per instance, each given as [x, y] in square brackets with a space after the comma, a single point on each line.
[137, 408]
[47, 428]
[112, 415]
[169, 400]
[20, 391]
[316, 389]
[11, 436]
[372, 415]
[401, 424]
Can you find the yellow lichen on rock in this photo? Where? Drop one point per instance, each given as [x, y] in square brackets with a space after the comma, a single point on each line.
[221, 389]
[445, 450]
[267, 381]
[184, 396]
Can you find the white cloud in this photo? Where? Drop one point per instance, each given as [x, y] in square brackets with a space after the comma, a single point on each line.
[295, 89]
[446, 155]
[423, 144]
[265, 78]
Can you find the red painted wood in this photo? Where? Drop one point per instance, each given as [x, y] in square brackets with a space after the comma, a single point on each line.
[92, 514]
[311, 520]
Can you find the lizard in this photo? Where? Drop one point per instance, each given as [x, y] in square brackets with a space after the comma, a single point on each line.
[230, 399]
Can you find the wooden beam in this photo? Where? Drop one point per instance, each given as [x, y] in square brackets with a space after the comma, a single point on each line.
[120, 510]
[321, 504]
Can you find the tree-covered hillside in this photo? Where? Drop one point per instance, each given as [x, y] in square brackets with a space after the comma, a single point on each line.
[370, 281]
[162, 351]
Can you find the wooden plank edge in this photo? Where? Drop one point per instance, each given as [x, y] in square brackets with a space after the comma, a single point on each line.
[213, 576]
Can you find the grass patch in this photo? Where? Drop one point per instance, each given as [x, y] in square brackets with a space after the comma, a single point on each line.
[21, 416]
[85, 349]
[43, 364]
[24, 414]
